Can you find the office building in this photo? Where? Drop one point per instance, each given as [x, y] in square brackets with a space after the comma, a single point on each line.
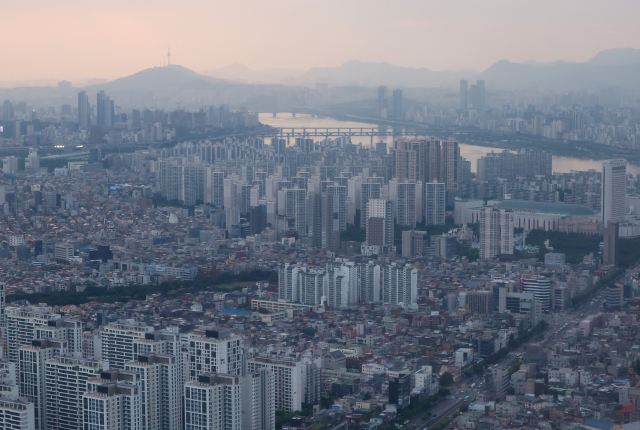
[84, 120]
[64, 251]
[478, 97]
[213, 401]
[614, 188]
[614, 297]
[464, 94]
[65, 382]
[160, 390]
[382, 101]
[117, 338]
[398, 113]
[480, 302]
[215, 351]
[106, 111]
[434, 203]
[31, 364]
[540, 286]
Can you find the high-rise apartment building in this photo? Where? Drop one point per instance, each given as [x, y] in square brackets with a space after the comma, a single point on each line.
[435, 202]
[614, 189]
[112, 402]
[400, 284]
[369, 191]
[259, 400]
[32, 381]
[160, 390]
[16, 414]
[369, 275]
[340, 191]
[380, 223]
[63, 329]
[215, 351]
[65, 382]
[406, 204]
[213, 401]
[496, 232]
[296, 207]
[214, 193]
[117, 341]
[289, 377]
[21, 326]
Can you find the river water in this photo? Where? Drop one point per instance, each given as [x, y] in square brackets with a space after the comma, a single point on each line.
[470, 152]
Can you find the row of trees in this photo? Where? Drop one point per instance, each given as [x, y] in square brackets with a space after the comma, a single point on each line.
[139, 292]
[478, 368]
[604, 281]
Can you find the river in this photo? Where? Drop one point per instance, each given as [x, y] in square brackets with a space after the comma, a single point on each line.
[470, 152]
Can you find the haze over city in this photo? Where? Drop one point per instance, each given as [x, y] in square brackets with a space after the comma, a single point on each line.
[76, 40]
[319, 215]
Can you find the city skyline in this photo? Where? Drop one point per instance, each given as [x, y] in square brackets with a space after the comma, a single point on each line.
[205, 36]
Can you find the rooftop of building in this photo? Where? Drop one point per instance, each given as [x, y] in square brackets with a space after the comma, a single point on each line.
[545, 208]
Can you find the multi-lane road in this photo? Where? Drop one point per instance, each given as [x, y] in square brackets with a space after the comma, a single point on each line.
[558, 324]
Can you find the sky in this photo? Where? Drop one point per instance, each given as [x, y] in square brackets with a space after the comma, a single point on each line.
[79, 39]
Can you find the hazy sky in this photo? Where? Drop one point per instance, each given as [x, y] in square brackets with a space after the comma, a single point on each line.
[76, 39]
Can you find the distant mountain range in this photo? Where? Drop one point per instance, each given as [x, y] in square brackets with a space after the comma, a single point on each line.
[615, 67]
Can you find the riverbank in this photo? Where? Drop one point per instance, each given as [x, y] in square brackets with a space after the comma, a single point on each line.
[501, 140]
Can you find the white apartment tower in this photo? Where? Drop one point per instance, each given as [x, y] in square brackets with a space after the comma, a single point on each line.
[117, 341]
[215, 351]
[258, 401]
[213, 401]
[32, 361]
[614, 190]
[16, 414]
[434, 202]
[296, 207]
[400, 284]
[406, 204]
[65, 382]
[21, 326]
[289, 380]
[496, 232]
[160, 390]
[113, 402]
